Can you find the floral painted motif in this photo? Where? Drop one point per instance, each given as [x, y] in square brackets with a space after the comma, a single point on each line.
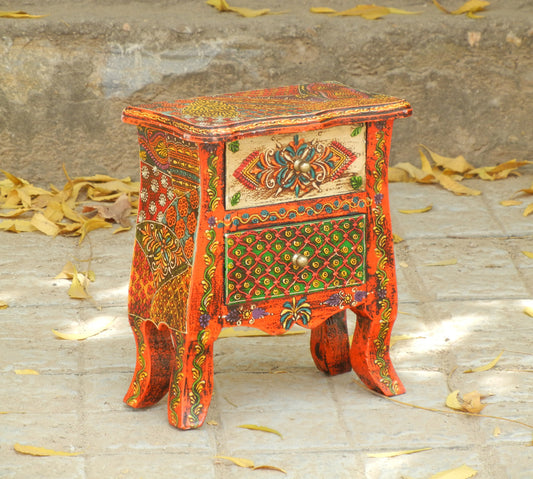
[299, 167]
[295, 311]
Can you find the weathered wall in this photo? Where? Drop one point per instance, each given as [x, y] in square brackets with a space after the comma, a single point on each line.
[64, 79]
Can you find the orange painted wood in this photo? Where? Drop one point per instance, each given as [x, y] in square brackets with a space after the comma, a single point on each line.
[266, 241]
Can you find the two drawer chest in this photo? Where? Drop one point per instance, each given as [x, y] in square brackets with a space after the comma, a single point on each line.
[267, 209]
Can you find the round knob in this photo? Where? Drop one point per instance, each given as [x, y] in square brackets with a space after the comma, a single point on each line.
[301, 165]
[300, 260]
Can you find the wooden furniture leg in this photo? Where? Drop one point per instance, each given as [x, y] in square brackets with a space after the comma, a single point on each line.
[330, 346]
[369, 352]
[152, 370]
[191, 385]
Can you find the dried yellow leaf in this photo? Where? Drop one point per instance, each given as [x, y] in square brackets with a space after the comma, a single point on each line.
[416, 173]
[398, 453]
[510, 202]
[461, 472]
[497, 431]
[92, 224]
[396, 238]
[398, 175]
[223, 6]
[446, 262]
[254, 427]
[19, 14]
[239, 461]
[41, 451]
[469, 8]
[322, 10]
[3, 305]
[368, 12]
[82, 335]
[17, 226]
[485, 367]
[529, 310]
[452, 401]
[78, 286]
[269, 468]
[453, 186]
[529, 254]
[456, 165]
[402, 337]
[44, 225]
[472, 402]
[30, 372]
[416, 211]
[528, 210]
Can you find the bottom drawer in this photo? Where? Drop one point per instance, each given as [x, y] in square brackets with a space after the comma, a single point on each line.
[303, 258]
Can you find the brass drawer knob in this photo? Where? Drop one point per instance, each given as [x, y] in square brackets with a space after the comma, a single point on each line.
[300, 260]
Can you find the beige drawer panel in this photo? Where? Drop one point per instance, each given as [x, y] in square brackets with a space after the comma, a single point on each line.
[265, 170]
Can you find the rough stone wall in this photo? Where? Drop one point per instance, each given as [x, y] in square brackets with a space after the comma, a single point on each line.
[64, 79]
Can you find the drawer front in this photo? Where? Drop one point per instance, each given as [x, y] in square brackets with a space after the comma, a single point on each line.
[275, 169]
[288, 260]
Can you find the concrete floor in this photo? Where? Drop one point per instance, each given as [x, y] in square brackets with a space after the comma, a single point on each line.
[460, 316]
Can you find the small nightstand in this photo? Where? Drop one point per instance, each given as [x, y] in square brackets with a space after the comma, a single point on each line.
[264, 208]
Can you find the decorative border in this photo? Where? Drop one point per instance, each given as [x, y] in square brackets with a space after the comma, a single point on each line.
[381, 273]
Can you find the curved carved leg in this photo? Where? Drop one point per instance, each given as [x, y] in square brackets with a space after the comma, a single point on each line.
[152, 370]
[330, 346]
[370, 349]
[191, 385]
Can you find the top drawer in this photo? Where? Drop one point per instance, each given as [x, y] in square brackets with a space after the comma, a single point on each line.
[264, 170]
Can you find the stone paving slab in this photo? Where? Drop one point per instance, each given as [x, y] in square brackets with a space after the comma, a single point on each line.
[457, 317]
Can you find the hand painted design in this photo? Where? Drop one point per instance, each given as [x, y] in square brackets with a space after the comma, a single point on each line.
[342, 299]
[298, 167]
[295, 311]
[245, 314]
[260, 264]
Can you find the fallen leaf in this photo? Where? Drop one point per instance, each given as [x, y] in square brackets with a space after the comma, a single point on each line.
[44, 225]
[470, 402]
[17, 226]
[497, 431]
[68, 271]
[30, 372]
[119, 211]
[121, 230]
[41, 451]
[223, 6]
[455, 165]
[82, 335]
[78, 287]
[461, 472]
[254, 427]
[396, 239]
[270, 468]
[529, 254]
[3, 305]
[510, 203]
[529, 310]
[528, 210]
[446, 262]
[416, 211]
[91, 225]
[239, 461]
[368, 12]
[212, 423]
[398, 453]
[485, 367]
[452, 401]
[469, 8]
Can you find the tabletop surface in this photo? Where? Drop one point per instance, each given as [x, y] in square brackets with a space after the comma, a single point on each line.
[223, 117]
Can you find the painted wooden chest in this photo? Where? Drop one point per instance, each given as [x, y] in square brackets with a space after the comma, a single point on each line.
[268, 209]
